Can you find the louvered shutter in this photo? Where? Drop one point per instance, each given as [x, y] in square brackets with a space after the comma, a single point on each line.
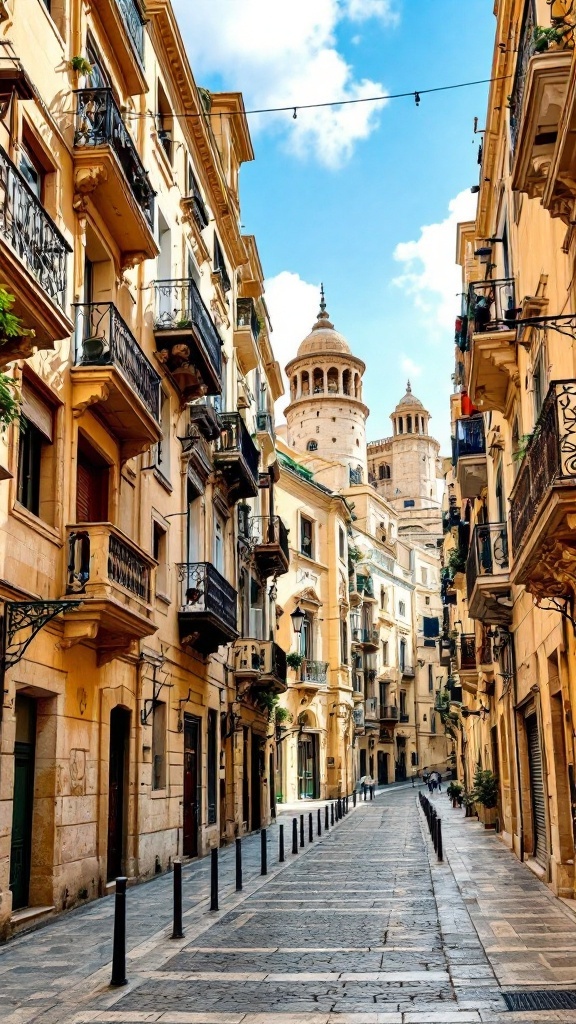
[538, 796]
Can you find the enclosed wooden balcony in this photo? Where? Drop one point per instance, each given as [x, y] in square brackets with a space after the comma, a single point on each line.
[389, 714]
[265, 435]
[274, 667]
[246, 334]
[208, 608]
[261, 662]
[114, 578]
[470, 456]
[34, 256]
[109, 171]
[543, 500]
[123, 22]
[237, 457]
[487, 575]
[367, 638]
[187, 341]
[467, 655]
[269, 538]
[112, 376]
[492, 315]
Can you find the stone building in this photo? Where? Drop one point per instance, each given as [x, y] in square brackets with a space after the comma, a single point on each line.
[138, 529]
[508, 578]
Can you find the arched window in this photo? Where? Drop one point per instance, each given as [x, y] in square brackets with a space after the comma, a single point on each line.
[333, 381]
[384, 471]
[312, 446]
[318, 378]
[356, 385]
[305, 383]
[346, 379]
[294, 386]
[408, 424]
[400, 425]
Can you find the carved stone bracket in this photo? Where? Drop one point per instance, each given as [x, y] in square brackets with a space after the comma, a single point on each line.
[86, 179]
[553, 579]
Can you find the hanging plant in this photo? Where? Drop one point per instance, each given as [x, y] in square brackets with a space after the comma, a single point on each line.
[282, 716]
[11, 326]
[523, 444]
[9, 401]
[81, 66]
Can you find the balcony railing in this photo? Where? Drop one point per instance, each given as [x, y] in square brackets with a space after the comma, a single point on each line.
[179, 307]
[492, 305]
[488, 554]
[265, 423]
[467, 651]
[125, 566]
[103, 339]
[525, 51]
[99, 123]
[355, 477]
[204, 590]
[134, 25]
[235, 438]
[275, 661]
[28, 229]
[269, 530]
[469, 439]
[246, 316]
[549, 459]
[389, 713]
[314, 672]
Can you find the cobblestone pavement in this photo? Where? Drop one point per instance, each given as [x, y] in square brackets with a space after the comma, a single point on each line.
[363, 926]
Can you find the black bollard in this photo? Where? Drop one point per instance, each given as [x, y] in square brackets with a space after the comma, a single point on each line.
[332, 814]
[281, 857]
[310, 827]
[177, 932]
[214, 878]
[326, 818]
[238, 845]
[354, 798]
[294, 835]
[301, 830]
[263, 853]
[371, 792]
[119, 941]
[439, 850]
[319, 826]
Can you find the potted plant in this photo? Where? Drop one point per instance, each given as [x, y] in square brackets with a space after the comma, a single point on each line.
[486, 794]
[468, 798]
[294, 659]
[454, 792]
[282, 716]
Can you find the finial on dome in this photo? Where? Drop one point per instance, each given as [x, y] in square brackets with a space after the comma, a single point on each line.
[408, 388]
[322, 301]
[323, 319]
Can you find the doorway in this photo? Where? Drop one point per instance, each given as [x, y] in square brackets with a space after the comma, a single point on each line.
[540, 847]
[117, 789]
[308, 767]
[21, 840]
[192, 786]
[363, 771]
[255, 782]
[272, 784]
[382, 767]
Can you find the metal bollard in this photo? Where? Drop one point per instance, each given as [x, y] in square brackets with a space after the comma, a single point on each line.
[326, 818]
[263, 853]
[214, 878]
[294, 835]
[439, 850]
[319, 826]
[371, 792]
[238, 865]
[119, 941]
[301, 830]
[332, 814]
[177, 932]
[354, 798]
[281, 857]
[310, 827]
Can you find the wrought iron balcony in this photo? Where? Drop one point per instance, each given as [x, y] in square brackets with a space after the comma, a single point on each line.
[274, 667]
[109, 168]
[271, 552]
[111, 369]
[115, 578]
[389, 713]
[263, 662]
[205, 419]
[134, 24]
[187, 341]
[246, 316]
[35, 247]
[467, 659]
[246, 334]
[237, 457]
[123, 24]
[487, 574]
[543, 500]
[526, 49]
[314, 672]
[207, 614]
[194, 203]
[266, 435]
[492, 305]
[355, 476]
[469, 456]
[368, 637]
[407, 671]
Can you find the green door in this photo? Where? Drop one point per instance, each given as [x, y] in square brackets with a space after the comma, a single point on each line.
[21, 841]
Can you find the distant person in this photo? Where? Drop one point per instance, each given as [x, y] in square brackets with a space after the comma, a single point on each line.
[370, 786]
[363, 786]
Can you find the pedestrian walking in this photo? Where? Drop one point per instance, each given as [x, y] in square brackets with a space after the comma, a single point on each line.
[370, 786]
[363, 786]
[439, 774]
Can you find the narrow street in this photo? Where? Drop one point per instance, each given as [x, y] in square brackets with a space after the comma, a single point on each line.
[361, 927]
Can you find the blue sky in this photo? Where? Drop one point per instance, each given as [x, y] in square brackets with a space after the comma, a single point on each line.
[365, 198]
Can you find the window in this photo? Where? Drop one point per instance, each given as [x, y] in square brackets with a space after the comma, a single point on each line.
[99, 78]
[218, 545]
[538, 382]
[159, 551]
[384, 471]
[341, 543]
[385, 652]
[36, 456]
[343, 642]
[433, 723]
[306, 638]
[427, 600]
[92, 475]
[383, 599]
[159, 745]
[500, 501]
[409, 503]
[424, 576]
[430, 678]
[212, 764]
[402, 653]
[163, 446]
[312, 446]
[165, 122]
[306, 539]
[31, 171]
[403, 703]
[402, 608]
[220, 265]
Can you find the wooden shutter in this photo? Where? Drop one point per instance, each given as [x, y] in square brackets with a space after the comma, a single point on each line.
[37, 411]
[538, 796]
[91, 492]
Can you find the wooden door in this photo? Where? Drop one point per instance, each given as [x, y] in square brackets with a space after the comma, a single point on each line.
[21, 838]
[256, 783]
[117, 789]
[382, 767]
[192, 787]
[91, 491]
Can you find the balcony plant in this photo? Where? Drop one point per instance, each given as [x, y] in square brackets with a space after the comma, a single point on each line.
[282, 716]
[294, 660]
[548, 38]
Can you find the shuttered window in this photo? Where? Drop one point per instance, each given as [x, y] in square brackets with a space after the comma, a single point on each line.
[91, 491]
[37, 411]
[537, 791]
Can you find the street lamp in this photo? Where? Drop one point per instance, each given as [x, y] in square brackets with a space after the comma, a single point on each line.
[297, 617]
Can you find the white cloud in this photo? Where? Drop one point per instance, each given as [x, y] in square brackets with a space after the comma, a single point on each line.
[281, 54]
[430, 274]
[293, 305]
[410, 367]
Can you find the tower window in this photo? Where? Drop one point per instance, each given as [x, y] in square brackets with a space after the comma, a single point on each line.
[384, 471]
[408, 424]
[312, 446]
[400, 425]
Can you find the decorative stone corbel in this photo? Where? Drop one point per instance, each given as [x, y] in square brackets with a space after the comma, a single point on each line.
[86, 179]
[76, 631]
[129, 260]
[554, 576]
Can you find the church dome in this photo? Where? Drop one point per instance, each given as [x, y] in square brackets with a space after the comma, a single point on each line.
[323, 337]
[409, 399]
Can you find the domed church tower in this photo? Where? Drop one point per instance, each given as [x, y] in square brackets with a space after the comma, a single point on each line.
[405, 467]
[326, 414]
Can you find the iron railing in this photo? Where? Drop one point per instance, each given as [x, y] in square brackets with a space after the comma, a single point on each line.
[204, 590]
[488, 554]
[265, 424]
[366, 636]
[549, 459]
[246, 316]
[389, 712]
[179, 307]
[269, 530]
[355, 477]
[134, 25]
[467, 651]
[525, 52]
[28, 229]
[99, 123]
[492, 305]
[125, 566]
[314, 672]
[103, 338]
[469, 439]
[235, 437]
